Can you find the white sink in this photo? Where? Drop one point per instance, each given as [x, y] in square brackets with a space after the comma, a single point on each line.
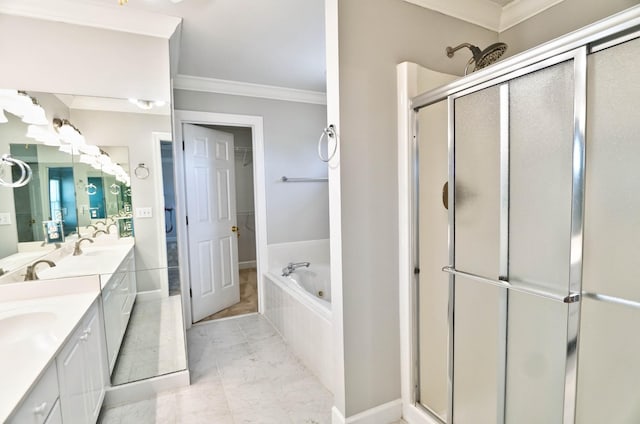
[22, 325]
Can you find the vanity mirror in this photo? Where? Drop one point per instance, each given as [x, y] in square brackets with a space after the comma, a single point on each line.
[143, 322]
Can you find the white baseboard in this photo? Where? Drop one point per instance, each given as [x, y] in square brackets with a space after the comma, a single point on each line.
[381, 414]
[247, 264]
[414, 415]
[144, 389]
[150, 295]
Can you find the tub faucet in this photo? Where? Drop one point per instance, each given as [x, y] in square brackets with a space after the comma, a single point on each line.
[31, 269]
[76, 249]
[95, 234]
[287, 270]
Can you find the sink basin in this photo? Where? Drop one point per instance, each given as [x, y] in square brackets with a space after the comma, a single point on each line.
[20, 326]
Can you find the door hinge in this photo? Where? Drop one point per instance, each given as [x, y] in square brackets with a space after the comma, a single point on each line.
[190, 292]
[183, 145]
[187, 219]
[416, 270]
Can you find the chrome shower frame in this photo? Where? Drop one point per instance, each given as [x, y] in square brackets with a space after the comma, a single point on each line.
[574, 47]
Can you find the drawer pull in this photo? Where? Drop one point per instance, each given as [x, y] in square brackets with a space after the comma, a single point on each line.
[40, 410]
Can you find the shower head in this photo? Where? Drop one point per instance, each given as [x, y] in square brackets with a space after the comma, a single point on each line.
[481, 58]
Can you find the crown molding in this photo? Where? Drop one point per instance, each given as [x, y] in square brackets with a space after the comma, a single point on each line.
[98, 15]
[518, 11]
[486, 13]
[238, 88]
[107, 104]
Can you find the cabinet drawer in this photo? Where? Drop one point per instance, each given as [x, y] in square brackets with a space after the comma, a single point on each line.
[55, 416]
[39, 403]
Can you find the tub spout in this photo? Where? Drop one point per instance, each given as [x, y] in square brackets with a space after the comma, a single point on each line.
[287, 270]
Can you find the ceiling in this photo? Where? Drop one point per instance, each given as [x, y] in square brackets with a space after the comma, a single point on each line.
[278, 43]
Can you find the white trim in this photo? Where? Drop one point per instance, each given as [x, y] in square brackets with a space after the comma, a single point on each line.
[239, 88]
[407, 87]
[415, 415]
[260, 198]
[385, 413]
[105, 16]
[158, 183]
[145, 389]
[486, 13]
[246, 264]
[518, 11]
[150, 295]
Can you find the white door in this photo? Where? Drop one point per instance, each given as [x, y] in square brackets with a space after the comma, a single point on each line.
[211, 214]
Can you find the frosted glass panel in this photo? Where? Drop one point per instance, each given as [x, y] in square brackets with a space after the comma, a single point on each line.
[477, 353]
[609, 364]
[434, 254]
[477, 182]
[541, 136]
[612, 198]
[536, 350]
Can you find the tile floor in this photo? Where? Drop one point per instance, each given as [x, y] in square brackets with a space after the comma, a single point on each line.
[153, 343]
[241, 373]
[248, 297]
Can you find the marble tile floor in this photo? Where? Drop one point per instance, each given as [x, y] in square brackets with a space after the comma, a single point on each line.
[153, 343]
[241, 373]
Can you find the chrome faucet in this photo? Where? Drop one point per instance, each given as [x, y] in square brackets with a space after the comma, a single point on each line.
[31, 269]
[287, 270]
[95, 234]
[76, 249]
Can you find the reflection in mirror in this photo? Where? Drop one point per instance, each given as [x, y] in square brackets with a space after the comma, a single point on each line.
[81, 179]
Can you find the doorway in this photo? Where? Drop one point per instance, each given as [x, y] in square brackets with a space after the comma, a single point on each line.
[245, 223]
[249, 211]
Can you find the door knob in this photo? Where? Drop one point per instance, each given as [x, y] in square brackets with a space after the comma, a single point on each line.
[234, 229]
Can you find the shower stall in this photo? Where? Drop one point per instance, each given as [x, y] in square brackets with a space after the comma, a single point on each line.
[526, 287]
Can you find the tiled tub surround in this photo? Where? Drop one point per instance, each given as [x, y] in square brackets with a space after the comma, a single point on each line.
[27, 350]
[303, 320]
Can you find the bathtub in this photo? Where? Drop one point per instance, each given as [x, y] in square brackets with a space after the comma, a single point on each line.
[299, 305]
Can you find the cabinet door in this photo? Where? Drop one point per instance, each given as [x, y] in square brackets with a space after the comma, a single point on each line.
[71, 374]
[55, 416]
[94, 373]
[80, 372]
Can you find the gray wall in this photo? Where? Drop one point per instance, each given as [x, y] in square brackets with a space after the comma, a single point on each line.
[297, 211]
[558, 20]
[374, 36]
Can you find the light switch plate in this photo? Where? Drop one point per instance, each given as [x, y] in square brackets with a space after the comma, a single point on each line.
[5, 218]
[144, 212]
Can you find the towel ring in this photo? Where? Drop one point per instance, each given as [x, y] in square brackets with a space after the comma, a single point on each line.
[91, 189]
[330, 132]
[141, 171]
[25, 170]
[114, 189]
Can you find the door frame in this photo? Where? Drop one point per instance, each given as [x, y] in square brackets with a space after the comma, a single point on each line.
[181, 117]
[156, 155]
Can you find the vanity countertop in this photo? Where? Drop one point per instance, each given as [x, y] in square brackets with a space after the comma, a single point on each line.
[100, 259]
[32, 332]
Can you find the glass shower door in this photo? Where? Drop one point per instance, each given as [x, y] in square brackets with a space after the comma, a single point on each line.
[609, 365]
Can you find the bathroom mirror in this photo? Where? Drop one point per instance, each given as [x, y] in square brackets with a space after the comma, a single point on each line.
[149, 338]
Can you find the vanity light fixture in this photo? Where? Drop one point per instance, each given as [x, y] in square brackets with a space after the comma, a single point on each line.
[3, 117]
[147, 104]
[45, 136]
[22, 105]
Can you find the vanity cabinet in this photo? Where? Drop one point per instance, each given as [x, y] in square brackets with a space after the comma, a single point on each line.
[118, 297]
[80, 371]
[41, 406]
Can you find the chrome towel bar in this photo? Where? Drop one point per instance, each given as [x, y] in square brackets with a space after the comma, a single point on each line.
[571, 298]
[303, 180]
